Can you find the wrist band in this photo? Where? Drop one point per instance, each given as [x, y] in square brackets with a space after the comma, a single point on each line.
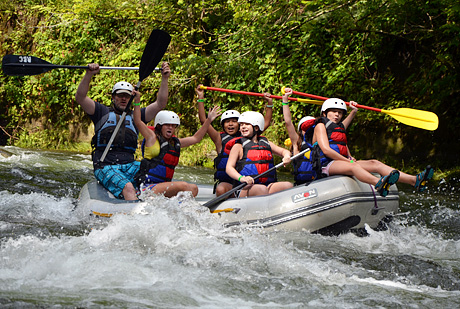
[136, 104]
[285, 103]
[239, 178]
[200, 100]
[269, 106]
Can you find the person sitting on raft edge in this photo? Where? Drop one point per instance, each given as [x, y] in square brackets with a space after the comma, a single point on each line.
[116, 172]
[301, 139]
[333, 156]
[252, 155]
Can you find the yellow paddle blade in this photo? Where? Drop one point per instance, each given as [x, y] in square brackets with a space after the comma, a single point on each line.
[414, 117]
[308, 101]
[236, 210]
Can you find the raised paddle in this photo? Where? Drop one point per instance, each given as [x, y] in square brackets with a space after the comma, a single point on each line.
[256, 94]
[412, 117]
[222, 197]
[154, 50]
[19, 65]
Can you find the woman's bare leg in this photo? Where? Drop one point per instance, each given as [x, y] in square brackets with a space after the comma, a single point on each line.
[223, 187]
[254, 190]
[375, 166]
[170, 189]
[279, 186]
[352, 169]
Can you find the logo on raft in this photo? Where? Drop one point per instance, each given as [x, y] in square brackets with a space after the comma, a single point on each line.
[299, 197]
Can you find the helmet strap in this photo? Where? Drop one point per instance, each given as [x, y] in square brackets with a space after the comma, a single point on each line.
[254, 132]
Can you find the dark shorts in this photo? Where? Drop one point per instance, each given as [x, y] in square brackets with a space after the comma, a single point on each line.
[115, 177]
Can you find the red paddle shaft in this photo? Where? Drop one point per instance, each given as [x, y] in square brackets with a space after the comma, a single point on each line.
[254, 94]
[324, 99]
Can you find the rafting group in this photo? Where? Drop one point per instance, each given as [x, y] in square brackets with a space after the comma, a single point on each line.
[243, 151]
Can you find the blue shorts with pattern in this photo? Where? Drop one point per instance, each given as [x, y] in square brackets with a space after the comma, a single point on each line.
[115, 177]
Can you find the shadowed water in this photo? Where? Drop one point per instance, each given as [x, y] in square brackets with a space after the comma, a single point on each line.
[176, 254]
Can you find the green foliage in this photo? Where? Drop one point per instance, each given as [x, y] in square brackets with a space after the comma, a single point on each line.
[201, 154]
[384, 54]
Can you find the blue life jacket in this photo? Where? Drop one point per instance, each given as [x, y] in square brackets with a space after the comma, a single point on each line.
[303, 168]
[220, 162]
[124, 145]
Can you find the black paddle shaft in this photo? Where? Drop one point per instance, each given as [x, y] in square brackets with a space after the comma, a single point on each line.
[20, 65]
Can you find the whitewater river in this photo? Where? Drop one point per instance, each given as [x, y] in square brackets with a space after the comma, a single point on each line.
[177, 255]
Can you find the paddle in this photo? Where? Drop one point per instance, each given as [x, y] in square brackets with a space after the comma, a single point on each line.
[256, 94]
[413, 117]
[19, 65]
[222, 197]
[154, 50]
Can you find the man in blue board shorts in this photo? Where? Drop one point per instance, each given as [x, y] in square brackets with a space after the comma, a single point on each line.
[116, 172]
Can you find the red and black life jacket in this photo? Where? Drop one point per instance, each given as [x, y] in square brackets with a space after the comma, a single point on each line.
[336, 135]
[337, 141]
[161, 168]
[257, 158]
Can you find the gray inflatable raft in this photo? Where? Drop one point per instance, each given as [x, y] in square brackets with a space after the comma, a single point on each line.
[331, 205]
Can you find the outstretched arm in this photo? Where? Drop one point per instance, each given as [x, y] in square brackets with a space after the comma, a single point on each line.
[268, 110]
[152, 110]
[200, 103]
[81, 96]
[198, 136]
[148, 134]
[288, 118]
[351, 115]
[213, 134]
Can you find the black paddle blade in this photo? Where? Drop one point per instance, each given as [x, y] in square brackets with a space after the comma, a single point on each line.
[154, 50]
[18, 65]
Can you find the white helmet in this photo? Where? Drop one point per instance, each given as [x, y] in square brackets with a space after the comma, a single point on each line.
[254, 118]
[167, 117]
[229, 114]
[333, 103]
[122, 87]
[306, 118]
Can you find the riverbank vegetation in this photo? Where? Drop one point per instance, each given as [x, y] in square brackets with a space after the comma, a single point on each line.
[381, 54]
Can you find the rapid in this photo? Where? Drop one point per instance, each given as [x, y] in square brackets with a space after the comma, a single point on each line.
[175, 253]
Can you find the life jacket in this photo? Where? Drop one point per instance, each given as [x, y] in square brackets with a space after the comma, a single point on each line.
[303, 168]
[337, 141]
[220, 162]
[123, 146]
[161, 168]
[257, 158]
[336, 135]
